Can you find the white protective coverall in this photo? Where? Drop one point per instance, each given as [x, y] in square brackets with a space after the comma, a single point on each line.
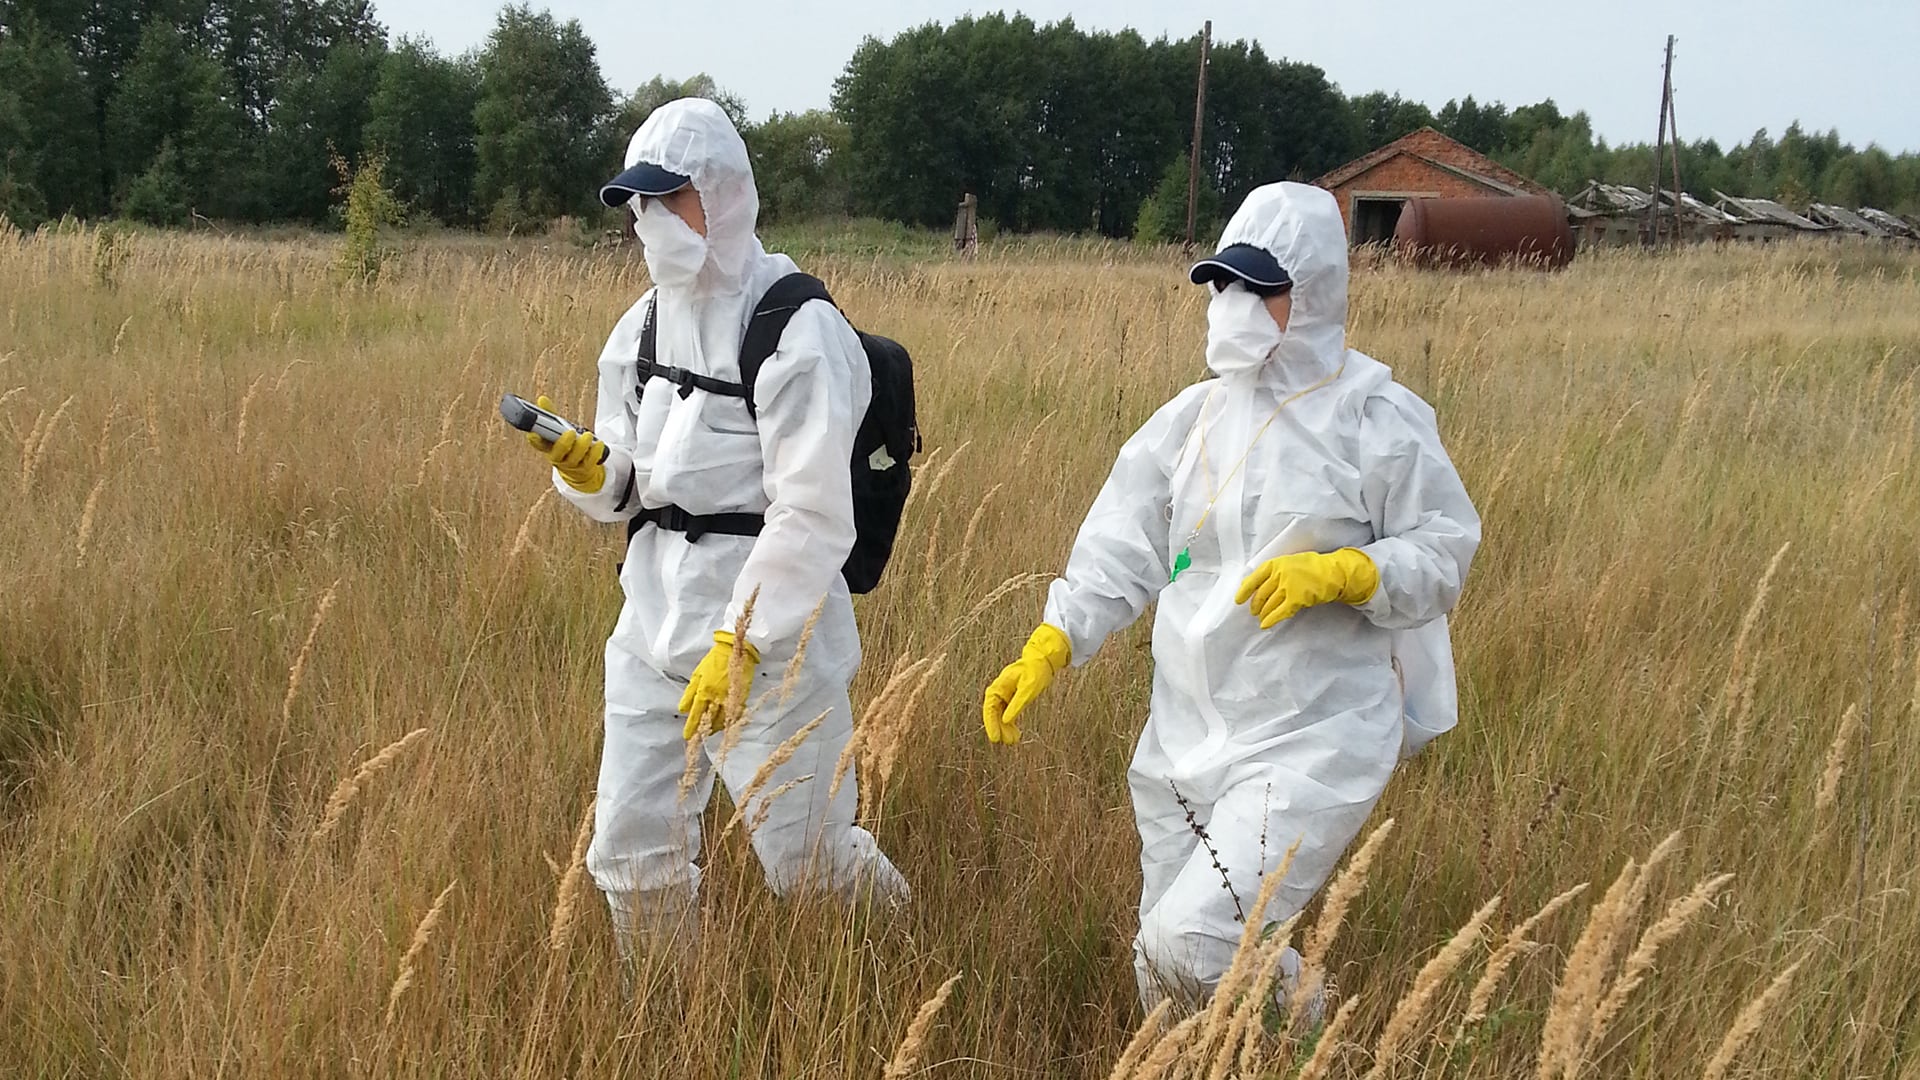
[1289, 734]
[705, 454]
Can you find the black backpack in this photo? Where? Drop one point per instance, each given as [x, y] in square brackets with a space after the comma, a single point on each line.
[887, 439]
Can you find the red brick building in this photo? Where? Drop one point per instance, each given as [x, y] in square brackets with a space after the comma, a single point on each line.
[1424, 165]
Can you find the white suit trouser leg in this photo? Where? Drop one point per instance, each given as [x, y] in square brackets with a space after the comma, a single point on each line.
[1190, 924]
[646, 837]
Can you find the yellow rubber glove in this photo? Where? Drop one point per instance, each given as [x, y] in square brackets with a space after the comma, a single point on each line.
[1281, 588]
[712, 683]
[1046, 652]
[578, 456]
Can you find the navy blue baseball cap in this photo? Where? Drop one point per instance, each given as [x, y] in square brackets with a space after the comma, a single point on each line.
[1251, 264]
[641, 179]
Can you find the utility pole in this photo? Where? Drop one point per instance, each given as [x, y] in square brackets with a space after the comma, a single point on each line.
[1673, 128]
[1659, 147]
[1199, 120]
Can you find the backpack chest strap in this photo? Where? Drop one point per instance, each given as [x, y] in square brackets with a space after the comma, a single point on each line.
[648, 369]
[687, 381]
[761, 340]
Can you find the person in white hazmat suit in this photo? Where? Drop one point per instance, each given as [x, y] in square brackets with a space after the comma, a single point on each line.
[694, 465]
[1305, 535]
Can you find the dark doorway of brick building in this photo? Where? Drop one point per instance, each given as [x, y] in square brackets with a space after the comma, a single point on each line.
[1374, 219]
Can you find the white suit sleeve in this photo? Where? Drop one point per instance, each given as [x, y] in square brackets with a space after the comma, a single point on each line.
[1427, 527]
[615, 423]
[809, 398]
[1120, 560]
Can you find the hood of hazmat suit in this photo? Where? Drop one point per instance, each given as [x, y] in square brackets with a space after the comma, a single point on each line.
[1269, 737]
[1312, 248]
[706, 454]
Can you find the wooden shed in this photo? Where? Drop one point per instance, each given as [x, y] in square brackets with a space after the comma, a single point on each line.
[1762, 221]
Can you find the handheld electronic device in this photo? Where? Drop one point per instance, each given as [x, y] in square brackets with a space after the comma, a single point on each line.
[524, 415]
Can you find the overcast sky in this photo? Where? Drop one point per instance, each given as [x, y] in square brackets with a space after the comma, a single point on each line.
[1846, 64]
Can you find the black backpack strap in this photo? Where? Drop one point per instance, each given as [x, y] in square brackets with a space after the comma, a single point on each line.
[769, 322]
[649, 368]
[695, 526]
[649, 341]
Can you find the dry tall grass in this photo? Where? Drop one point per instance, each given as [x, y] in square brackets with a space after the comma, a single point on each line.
[1643, 436]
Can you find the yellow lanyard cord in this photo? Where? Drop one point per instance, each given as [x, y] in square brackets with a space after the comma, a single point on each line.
[1207, 470]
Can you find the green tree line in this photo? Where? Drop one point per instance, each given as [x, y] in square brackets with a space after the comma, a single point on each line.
[243, 111]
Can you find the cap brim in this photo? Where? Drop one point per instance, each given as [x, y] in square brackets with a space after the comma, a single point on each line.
[1241, 262]
[642, 179]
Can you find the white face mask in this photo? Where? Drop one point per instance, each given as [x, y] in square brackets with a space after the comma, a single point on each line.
[675, 253]
[1241, 333]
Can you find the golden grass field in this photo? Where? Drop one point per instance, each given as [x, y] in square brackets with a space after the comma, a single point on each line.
[264, 525]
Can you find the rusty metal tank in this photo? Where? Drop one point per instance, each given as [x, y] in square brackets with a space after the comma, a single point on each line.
[1524, 230]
